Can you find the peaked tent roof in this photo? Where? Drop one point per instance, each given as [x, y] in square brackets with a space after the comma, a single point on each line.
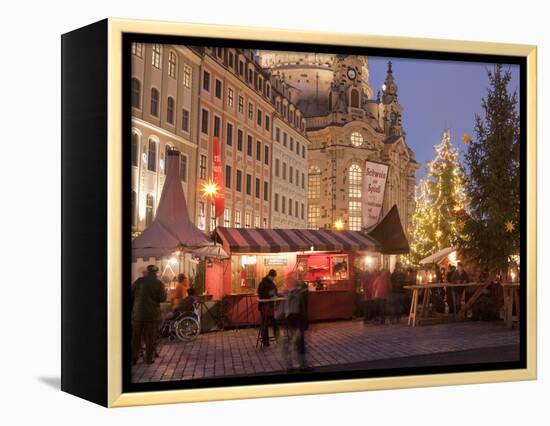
[171, 229]
[437, 256]
[389, 233]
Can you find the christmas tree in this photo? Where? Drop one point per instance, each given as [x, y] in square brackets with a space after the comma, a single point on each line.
[439, 217]
[493, 183]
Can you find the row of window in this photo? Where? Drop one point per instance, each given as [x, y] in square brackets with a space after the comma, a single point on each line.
[283, 206]
[156, 61]
[247, 218]
[291, 115]
[149, 208]
[288, 142]
[247, 183]
[151, 156]
[293, 174]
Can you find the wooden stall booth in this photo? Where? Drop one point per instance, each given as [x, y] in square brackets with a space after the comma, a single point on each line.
[324, 259]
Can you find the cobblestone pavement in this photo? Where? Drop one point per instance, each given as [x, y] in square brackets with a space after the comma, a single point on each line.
[233, 352]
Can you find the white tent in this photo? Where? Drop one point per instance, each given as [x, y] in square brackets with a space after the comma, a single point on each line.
[437, 256]
[171, 230]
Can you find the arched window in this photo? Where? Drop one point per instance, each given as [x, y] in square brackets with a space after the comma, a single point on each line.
[149, 209]
[354, 98]
[135, 149]
[314, 182]
[167, 149]
[355, 178]
[152, 156]
[170, 110]
[136, 93]
[154, 102]
[356, 139]
[133, 207]
[172, 64]
[155, 56]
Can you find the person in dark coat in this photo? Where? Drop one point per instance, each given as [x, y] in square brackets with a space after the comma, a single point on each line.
[266, 290]
[296, 314]
[397, 297]
[147, 294]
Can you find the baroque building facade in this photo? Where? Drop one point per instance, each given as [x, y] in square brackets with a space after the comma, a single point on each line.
[346, 126]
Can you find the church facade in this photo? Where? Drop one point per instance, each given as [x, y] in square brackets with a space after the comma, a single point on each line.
[346, 126]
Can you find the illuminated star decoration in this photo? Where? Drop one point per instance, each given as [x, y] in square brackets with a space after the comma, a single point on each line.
[509, 226]
[466, 138]
[438, 233]
[210, 189]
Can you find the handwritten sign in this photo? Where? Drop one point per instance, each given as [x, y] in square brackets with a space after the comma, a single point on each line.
[374, 185]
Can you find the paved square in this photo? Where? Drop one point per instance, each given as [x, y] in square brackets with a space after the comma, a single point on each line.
[234, 352]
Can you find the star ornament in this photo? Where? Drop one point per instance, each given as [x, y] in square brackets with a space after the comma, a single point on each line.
[509, 225]
[466, 138]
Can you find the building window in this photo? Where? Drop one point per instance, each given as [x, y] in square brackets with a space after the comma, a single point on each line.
[303, 151]
[267, 90]
[136, 93]
[227, 217]
[247, 220]
[356, 139]
[206, 81]
[133, 207]
[250, 75]
[257, 188]
[230, 59]
[212, 217]
[152, 156]
[276, 202]
[256, 221]
[218, 89]
[202, 216]
[217, 124]
[297, 147]
[230, 97]
[283, 205]
[291, 143]
[249, 146]
[228, 176]
[259, 115]
[250, 111]
[187, 76]
[237, 218]
[135, 149]
[266, 191]
[354, 218]
[149, 209]
[267, 122]
[137, 49]
[239, 180]
[303, 180]
[354, 98]
[284, 139]
[258, 151]
[172, 65]
[297, 178]
[314, 182]
[303, 212]
[229, 137]
[314, 214]
[248, 184]
[185, 120]
[155, 58]
[284, 171]
[204, 122]
[154, 102]
[167, 149]
[296, 209]
[170, 110]
[277, 167]
[241, 104]
[355, 181]
[290, 206]
[202, 167]
[266, 155]
[241, 68]
[278, 134]
[291, 174]
[240, 140]
[183, 168]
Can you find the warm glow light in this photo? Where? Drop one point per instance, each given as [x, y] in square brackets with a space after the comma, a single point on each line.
[513, 275]
[210, 189]
[173, 260]
[248, 260]
[339, 225]
[438, 233]
[452, 258]
[457, 208]
[368, 260]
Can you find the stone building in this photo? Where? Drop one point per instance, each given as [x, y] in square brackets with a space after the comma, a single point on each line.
[346, 126]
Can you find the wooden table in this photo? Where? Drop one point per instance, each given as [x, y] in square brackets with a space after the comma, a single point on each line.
[511, 298]
[426, 298]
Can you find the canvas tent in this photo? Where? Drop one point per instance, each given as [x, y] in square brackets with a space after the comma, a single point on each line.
[389, 233]
[172, 230]
[437, 256]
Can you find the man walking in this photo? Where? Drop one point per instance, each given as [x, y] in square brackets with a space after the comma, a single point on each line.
[147, 294]
[297, 320]
[267, 290]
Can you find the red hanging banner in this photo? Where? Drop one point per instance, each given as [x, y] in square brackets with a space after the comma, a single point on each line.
[218, 177]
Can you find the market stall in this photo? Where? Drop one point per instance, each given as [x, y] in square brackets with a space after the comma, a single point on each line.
[324, 259]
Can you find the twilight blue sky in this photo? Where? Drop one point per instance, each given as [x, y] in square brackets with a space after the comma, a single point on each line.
[436, 95]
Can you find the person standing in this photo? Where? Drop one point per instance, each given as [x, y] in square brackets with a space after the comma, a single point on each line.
[148, 293]
[180, 291]
[297, 321]
[397, 296]
[267, 290]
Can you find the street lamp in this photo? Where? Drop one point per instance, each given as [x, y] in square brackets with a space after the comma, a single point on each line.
[339, 225]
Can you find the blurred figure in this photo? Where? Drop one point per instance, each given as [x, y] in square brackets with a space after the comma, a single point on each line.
[180, 291]
[381, 289]
[147, 294]
[397, 297]
[266, 290]
[297, 322]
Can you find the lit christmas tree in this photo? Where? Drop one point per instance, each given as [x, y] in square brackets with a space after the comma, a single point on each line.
[493, 183]
[439, 218]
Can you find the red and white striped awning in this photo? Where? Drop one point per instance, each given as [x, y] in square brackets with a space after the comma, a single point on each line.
[258, 240]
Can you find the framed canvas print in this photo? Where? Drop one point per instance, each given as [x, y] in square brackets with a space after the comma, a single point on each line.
[254, 212]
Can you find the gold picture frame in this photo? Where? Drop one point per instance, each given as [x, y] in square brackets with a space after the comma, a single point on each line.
[115, 30]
